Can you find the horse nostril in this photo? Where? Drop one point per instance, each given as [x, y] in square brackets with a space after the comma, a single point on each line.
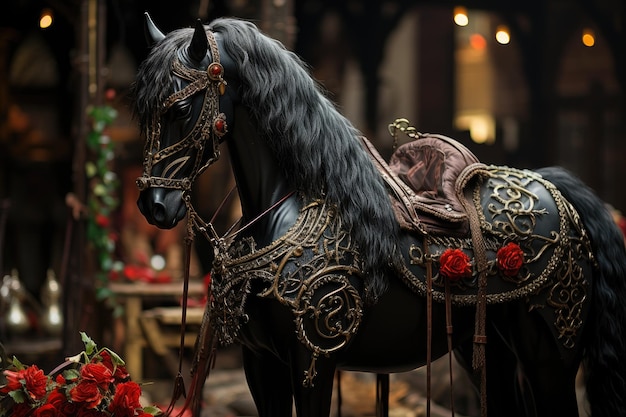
[158, 211]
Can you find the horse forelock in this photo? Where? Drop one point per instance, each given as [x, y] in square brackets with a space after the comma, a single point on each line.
[154, 81]
[317, 147]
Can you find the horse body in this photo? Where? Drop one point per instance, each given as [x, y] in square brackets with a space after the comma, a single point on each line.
[321, 277]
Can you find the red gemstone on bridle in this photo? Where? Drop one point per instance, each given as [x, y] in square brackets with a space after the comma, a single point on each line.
[219, 125]
[215, 71]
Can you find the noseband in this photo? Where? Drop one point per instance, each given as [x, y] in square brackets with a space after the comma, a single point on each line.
[211, 124]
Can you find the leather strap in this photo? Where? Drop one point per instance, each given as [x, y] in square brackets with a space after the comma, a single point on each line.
[479, 360]
[429, 321]
[395, 184]
[449, 331]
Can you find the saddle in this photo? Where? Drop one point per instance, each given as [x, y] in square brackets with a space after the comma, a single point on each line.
[427, 178]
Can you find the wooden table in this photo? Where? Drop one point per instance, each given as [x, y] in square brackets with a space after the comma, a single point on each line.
[133, 295]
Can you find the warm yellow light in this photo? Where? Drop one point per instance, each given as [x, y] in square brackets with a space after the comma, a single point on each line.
[481, 126]
[45, 21]
[588, 38]
[502, 35]
[460, 16]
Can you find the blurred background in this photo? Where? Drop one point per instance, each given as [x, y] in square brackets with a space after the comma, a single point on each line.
[525, 83]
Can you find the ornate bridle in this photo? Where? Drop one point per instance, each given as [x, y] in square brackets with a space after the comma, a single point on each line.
[211, 124]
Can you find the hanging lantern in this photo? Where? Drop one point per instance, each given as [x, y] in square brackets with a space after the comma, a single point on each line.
[16, 319]
[52, 320]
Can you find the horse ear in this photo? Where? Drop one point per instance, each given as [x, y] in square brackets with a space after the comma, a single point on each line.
[152, 33]
[199, 43]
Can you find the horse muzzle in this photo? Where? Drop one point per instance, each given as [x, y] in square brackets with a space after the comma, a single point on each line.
[162, 207]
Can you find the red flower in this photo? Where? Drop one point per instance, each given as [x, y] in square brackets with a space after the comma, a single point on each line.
[99, 386]
[88, 412]
[13, 381]
[86, 392]
[59, 400]
[454, 264]
[47, 410]
[138, 273]
[119, 371]
[510, 259]
[33, 378]
[36, 382]
[98, 373]
[20, 410]
[102, 220]
[126, 399]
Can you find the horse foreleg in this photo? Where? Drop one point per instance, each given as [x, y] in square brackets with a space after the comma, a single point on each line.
[312, 397]
[269, 381]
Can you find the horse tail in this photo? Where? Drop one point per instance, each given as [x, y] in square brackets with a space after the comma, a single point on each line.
[605, 351]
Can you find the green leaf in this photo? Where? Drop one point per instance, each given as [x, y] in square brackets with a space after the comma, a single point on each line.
[103, 292]
[155, 411]
[118, 310]
[90, 345]
[18, 396]
[17, 364]
[71, 374]
[115, 358]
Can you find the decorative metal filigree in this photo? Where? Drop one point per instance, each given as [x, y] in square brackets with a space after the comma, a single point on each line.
[308, 269]
[522, 207]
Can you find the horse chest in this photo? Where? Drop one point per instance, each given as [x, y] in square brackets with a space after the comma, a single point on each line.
[312, 270]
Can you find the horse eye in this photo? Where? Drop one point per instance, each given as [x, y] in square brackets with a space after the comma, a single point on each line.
[182, 109]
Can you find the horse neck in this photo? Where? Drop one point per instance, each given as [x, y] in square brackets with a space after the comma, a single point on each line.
[260, 181]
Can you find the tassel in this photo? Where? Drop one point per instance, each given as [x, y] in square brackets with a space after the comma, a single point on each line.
[203, 361]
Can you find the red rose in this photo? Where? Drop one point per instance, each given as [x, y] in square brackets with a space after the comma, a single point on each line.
[454, 264]
[47, 410]
[510, 259]
[86, 392]
[20, 410]
[35, 382]
[119, 371]
[126, 399]
[88, 412]
[61, 403]
[97, 373]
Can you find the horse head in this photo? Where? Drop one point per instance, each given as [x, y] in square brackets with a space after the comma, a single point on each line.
[183, 103]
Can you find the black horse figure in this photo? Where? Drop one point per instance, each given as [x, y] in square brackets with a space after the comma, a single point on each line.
[338, 264]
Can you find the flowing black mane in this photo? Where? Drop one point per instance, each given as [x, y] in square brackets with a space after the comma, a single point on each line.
[318, 148]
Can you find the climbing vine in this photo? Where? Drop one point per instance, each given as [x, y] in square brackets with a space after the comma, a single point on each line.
[102, 200]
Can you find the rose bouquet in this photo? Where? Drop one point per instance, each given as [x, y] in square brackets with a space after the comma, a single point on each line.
[94, 383]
